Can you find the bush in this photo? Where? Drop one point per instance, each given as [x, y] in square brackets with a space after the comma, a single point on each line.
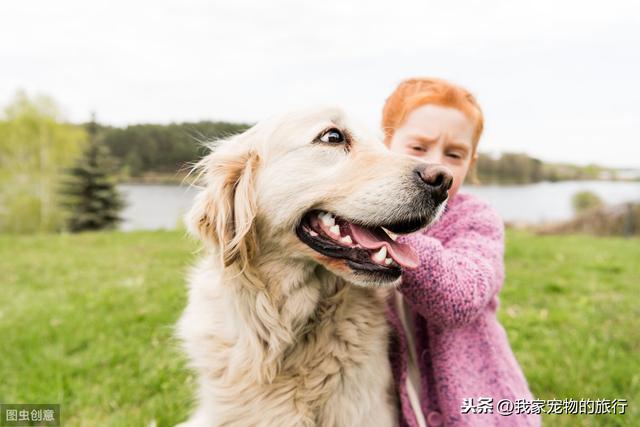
[585, 200]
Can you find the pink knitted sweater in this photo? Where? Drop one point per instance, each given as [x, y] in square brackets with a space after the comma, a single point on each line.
[462, 351]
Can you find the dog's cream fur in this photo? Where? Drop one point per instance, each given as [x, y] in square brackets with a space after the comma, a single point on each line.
[279, 334]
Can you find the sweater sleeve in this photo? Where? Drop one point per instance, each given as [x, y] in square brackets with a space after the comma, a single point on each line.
[456, 279]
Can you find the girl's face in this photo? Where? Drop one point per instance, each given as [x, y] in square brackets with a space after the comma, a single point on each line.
[442, 135]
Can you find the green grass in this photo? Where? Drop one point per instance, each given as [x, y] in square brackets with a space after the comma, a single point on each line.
[86, 321]
[570, 306]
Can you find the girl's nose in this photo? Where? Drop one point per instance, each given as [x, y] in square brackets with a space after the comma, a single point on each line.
[434, 156]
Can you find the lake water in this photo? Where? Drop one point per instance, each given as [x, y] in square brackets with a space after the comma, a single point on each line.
[153, 207]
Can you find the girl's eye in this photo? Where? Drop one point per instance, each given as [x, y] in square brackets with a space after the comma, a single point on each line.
[418, 148]
[332, 136]
[454, 155]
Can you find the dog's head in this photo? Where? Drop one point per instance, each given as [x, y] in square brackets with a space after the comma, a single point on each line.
[314, 186]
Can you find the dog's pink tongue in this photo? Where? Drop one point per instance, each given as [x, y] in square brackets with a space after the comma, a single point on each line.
[375, 238]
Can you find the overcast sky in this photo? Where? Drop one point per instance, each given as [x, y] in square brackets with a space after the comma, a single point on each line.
[556, 79]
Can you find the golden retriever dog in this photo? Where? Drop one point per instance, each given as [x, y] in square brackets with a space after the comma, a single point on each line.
[285, 322]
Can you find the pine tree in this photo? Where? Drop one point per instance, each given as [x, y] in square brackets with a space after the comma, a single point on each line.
[92, 200]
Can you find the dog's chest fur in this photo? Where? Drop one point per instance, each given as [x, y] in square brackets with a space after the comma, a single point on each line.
[331, 370]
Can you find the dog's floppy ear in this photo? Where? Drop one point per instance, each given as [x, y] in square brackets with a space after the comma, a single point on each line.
[225, 209]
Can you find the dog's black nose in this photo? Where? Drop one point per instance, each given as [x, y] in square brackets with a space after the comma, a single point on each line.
[436, 179]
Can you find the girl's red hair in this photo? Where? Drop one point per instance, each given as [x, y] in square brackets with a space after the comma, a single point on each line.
[416, 92]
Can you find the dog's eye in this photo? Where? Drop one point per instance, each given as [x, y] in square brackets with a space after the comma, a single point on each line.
[332, 136]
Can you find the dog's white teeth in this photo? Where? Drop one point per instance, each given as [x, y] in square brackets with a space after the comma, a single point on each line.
[334, 230]
[347, 240]
[391, 234]
[327, 219]
[388, 261]
[380, 255]
[313, 233]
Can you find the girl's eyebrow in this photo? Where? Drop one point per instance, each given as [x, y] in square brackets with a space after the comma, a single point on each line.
[458, 146]
[423, 138]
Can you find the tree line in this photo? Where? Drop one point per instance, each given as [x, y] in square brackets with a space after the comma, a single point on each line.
[517, 168]
[163, 149]
[170, 149]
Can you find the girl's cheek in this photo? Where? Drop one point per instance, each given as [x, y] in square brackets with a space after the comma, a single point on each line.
[459, 174]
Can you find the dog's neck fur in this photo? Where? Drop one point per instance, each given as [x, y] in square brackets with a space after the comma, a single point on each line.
[282, 305]
[289, 334]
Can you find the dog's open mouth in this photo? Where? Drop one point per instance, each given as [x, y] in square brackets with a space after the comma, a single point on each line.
[370, 249]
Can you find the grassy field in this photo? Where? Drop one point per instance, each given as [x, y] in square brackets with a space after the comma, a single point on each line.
[86, 321]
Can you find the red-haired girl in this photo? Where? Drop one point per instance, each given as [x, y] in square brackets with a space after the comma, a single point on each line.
[451, 358]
